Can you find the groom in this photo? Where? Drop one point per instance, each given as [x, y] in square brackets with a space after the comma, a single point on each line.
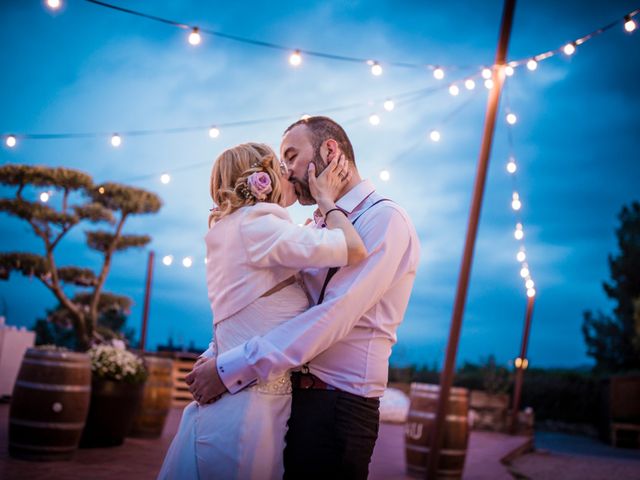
[343, 343]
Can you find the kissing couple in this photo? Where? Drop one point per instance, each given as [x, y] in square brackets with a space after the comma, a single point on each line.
[304, 316]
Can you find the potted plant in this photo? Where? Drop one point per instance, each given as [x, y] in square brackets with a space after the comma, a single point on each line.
[70, 199]
[117, 384]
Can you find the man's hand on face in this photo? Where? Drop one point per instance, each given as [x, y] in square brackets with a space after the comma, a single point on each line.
[204, 382]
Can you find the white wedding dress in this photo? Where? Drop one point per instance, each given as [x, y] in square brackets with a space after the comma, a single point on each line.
[249, 252]
[240, 436]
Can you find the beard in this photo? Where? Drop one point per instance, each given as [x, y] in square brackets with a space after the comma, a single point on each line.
[301, 185]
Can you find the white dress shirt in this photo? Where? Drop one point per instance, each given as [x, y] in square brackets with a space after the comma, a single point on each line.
[347, 339]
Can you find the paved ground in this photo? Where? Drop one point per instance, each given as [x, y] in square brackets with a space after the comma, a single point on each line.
[575, 457]
[141, 459]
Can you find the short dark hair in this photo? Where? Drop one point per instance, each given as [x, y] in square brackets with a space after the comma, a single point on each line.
[324, 128]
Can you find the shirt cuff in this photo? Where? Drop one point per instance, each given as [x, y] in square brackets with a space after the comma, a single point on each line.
[234, 370]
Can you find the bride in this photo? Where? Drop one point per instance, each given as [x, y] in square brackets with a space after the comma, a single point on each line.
[254, 252]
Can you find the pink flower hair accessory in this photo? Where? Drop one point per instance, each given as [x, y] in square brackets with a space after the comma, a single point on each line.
[260, 185]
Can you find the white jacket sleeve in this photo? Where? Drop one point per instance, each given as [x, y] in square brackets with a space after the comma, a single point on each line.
[270, 238]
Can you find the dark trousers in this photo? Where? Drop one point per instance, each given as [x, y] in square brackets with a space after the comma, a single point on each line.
[331, 435]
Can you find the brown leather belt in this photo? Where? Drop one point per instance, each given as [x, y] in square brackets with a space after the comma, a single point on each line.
[308, 381]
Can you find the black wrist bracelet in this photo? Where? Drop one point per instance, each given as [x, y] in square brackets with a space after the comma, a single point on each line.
[335, 210]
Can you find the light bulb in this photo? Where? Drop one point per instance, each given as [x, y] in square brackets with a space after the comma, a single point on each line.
[518, 233]
[434, 135]
[194, 36]
[165, 178]
[529, 283]
[187, 262]
[376, 69]
[569, 49]
[389, 105]
[516, 204]
[438, 73]
[511, 118]
[509, 71]
[44, 197]
[54, 4]
[214, 132]
[101, 190]
[511, 166]
[518, 362]
[385, 175]
[532, 64]
[454, 90]
[167, 260]
[488, 83]
[295, 58]
[521, 256]
[116, 140]
[469, 84]
[11, 141]
[486, 73]
[531, 292]
[629, 25]
[374, 119]
[524, 272]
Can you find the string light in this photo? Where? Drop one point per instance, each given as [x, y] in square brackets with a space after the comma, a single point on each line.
[454, 90]
[11, 141]
[531, 292]
[629, 24]
[374, 119]
[116, 140]
[569, 48]
[376, 69]
[44, 197]
[101, 190]
[524, 271]
[469, 84]
[438, 73]
[194, 36]
[529, 283]
[511, 118]
[521, 256]
[165, 178]
[214, 132]
[519, 233]
[389, 105]
[486, 73]
[385, 175]
[532, 64]
[511, 166]
[295, 58]
[187, 262]
[434, 135]
[516, 204]
[54, 4]
[167, 260]
[509, 71]
[488, 83]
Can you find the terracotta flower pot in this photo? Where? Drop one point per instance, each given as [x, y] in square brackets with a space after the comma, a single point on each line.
[111, 412]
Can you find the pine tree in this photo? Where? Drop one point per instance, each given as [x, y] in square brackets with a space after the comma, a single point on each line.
[109, 203]
[614, 341]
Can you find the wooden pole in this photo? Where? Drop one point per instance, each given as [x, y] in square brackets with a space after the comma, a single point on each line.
[147, 297]
[521, 365]
[446, 379]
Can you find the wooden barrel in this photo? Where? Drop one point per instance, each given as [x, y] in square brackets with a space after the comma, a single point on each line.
[49, 404]
[419, 430]
[156, 400]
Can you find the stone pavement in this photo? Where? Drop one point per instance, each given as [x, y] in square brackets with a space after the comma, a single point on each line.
[141, 459]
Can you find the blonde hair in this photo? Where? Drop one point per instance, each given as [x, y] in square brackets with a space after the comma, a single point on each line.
[229, 178]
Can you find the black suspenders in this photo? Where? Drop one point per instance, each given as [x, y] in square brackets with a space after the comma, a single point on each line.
[333, 270]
